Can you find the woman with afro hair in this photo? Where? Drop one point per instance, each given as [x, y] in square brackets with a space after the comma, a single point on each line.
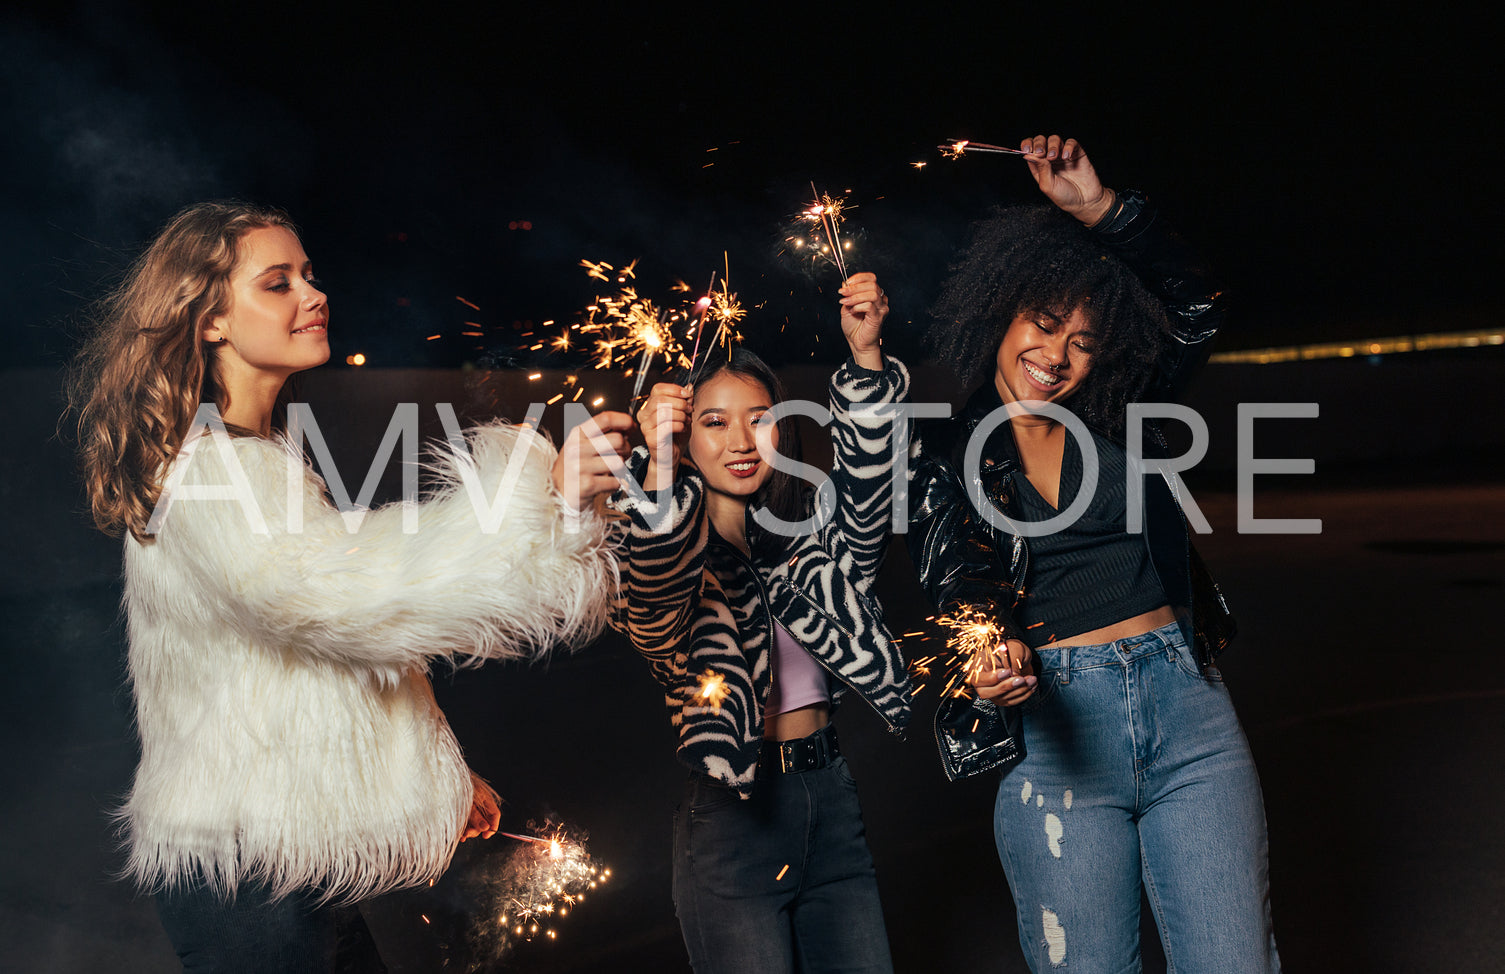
[1125, 768]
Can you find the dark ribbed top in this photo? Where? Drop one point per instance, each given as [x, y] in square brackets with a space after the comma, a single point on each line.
[1091, 574]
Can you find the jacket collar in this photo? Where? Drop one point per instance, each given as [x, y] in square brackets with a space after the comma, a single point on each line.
[766, 547]
[980, 404]
[1000, 453]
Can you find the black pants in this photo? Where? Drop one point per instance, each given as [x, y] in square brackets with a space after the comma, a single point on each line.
[781, 882]
[253, 935]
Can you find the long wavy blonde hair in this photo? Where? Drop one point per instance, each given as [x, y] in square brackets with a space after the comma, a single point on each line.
[142, 373]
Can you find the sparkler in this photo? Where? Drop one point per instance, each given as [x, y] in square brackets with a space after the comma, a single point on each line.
[500, 895]
[653, 339]
[713, 689]
[974, 645]
[545, 877]
[626, 326]
[815, 232]
[957, 148]
[725, 308]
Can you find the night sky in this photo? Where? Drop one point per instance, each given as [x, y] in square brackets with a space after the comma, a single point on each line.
[1338, 170]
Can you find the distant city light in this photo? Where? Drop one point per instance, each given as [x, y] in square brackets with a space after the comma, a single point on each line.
[1374, 346]
[358, 358]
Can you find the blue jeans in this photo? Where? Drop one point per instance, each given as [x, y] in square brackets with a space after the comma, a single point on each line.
[251, 934]
[1137, 777]
[782, 881]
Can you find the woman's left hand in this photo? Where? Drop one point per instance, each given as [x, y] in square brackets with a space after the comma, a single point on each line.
[1065, 174]
[863, 308]
[590, 462]
[485, 810]
[1013, 682]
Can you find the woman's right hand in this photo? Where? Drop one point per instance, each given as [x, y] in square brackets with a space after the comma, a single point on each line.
[1013, 682]
[662, 419]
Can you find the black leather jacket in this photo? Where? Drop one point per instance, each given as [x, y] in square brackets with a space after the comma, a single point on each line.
[964, 560]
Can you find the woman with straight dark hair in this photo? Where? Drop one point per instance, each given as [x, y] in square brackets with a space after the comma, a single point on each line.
[753, 604]
[293, 760]
[1125, 768]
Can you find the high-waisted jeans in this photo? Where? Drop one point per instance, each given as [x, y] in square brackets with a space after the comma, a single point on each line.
[782, 881]
[1137, 777]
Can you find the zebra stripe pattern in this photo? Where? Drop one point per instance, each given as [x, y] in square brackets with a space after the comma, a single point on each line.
[692, 603]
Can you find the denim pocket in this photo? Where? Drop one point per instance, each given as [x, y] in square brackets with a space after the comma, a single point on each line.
[1187, 664]
[709, 795]
[1044, 690]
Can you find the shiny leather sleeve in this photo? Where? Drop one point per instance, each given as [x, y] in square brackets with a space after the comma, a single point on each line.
[1175, 273]
[953, 550]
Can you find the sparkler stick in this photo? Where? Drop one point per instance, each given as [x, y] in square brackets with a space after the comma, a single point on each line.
[830, 214]
[701, 307]
[652, 342]
[959, 147]
[727, 312]
[813, 234]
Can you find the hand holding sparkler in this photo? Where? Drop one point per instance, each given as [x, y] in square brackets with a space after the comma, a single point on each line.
[977, 653]
[1066, 175]
[864, 306]
[662, 419]
[485, 810]
[590, 461]
[1009, 678]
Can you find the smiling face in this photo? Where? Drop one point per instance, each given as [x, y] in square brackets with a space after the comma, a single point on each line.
[729, 408]
[278, 321]
[1044, 355]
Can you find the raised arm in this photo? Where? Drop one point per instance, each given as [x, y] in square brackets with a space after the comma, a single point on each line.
[863, 427]
[495, 564]
[1132, 228]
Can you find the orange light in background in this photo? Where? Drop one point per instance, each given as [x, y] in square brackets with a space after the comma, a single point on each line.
[359, 358]
[1390, 345]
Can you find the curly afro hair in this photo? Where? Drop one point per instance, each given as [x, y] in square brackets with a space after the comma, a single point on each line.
[1028, 258]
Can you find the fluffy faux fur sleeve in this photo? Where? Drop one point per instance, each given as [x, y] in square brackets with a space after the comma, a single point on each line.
[494, 564]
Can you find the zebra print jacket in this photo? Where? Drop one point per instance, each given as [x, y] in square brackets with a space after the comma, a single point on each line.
[700, 610]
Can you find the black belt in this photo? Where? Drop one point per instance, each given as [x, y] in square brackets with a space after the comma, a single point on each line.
[802, 754]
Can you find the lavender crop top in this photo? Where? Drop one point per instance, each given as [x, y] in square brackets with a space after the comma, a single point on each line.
[798, 680]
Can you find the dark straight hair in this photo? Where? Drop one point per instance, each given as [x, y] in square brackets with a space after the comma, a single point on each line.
[783, 495]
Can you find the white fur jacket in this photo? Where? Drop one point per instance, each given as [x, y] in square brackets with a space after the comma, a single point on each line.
[288, 731]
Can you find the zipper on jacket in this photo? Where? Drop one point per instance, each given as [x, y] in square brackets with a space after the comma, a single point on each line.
[853, 639]
[768, 610]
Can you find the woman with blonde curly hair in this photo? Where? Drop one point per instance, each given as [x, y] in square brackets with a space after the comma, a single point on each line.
[293, 760]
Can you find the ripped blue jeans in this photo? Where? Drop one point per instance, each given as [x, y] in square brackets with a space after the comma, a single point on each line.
[1137, 777]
